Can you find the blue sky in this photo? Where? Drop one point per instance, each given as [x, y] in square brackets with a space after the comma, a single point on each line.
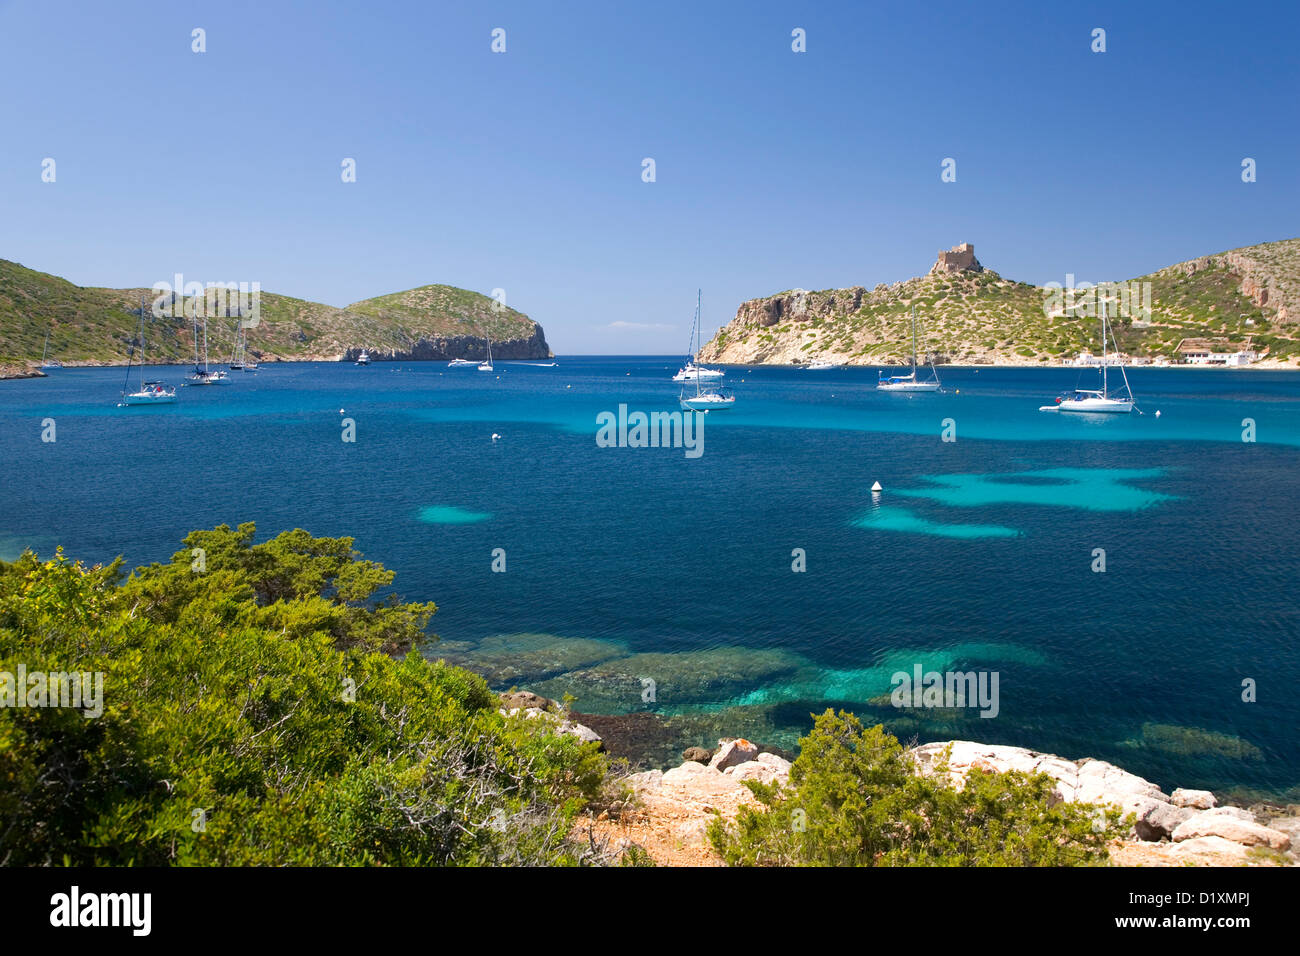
[522, 170]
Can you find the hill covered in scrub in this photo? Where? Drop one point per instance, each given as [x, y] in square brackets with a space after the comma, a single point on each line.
[92, 326]
[968, 314]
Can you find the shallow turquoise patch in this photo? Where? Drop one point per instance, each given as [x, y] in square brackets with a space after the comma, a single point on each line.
[448, 514]
[885, 518]
[1093, 489]
[830, 684]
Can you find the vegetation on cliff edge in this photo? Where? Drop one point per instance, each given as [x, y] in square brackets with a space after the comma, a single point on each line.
[251, 717]
[857, 799]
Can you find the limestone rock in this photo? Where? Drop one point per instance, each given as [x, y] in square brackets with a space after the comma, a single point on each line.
[1087, 781]
[733, 752]
[1230, 826]
[1237, 813]
[1196, 799]
[526, 700]
[780, 764]
[1158, 820]
[562, 724]
[760, 771]
[694, 782]
[582, 732]
[1101, 782]
[1212, 850]
[1288, 825]
[696, 754]
[646, 780]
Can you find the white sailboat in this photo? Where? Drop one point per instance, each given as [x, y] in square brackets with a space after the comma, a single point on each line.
[705, 398]
[1102, 400]
[910, 383]
[486, 366]
[239, 360]
[690, 372]
[204, 375]
[48, 364]
[149, 393]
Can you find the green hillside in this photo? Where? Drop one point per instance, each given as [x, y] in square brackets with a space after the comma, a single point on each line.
[97, 326]
[1247, 296]
[443, 310]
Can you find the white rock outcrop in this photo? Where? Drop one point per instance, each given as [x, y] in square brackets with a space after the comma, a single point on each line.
[1230, 826]
[1196, 799]
[1181, 817]
[1084, 781]
[765, 768]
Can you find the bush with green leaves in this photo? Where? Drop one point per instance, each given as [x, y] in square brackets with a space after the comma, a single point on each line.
[252, 717]
[857, 798]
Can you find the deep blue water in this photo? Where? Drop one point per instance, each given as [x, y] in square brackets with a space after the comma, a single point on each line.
[632, 563]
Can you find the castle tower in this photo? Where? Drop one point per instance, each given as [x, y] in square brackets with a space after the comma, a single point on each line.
[958, 259]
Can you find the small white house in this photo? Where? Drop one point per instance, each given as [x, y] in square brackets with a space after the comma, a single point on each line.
[1205, 352]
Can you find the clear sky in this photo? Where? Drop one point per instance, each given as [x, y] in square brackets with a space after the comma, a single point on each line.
[523, 170]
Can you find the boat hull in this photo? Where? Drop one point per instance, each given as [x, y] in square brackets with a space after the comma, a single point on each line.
[702, 375]
[908, 387]
[705, 404]
[1105, 406]
[149, 398]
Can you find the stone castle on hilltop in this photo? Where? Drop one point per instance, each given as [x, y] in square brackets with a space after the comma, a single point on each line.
[958, 259]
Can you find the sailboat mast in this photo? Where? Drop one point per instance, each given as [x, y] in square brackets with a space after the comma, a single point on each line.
[913, 341]
[126, 383]
[697, 342]
[696, 326]
[1104, 378]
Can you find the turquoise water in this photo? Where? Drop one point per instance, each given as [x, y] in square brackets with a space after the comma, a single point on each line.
[445, 514]
[628, 565]
[883, 518]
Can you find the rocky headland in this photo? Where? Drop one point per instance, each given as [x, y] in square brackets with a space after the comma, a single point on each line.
[85, 326]
[968, 314]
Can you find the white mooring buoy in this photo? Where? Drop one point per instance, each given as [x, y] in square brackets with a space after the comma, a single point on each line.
[496, 437]
[1157, 413]
[876, 489]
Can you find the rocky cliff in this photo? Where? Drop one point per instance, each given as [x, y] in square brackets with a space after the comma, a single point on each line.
[969, 314]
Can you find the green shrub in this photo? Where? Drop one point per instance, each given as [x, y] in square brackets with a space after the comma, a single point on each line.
[249, 719]
[856, 798]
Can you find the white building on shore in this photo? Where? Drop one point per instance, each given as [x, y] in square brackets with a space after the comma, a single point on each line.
[1207, 352]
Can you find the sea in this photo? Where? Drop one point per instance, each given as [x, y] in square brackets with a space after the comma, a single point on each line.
[1130, 580]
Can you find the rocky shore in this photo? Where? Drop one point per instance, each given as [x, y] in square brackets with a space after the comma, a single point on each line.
[669, 812]
[10, 370]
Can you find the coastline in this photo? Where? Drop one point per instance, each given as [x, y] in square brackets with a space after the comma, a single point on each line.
[671, 809]
[16, 371]
[20, 371]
